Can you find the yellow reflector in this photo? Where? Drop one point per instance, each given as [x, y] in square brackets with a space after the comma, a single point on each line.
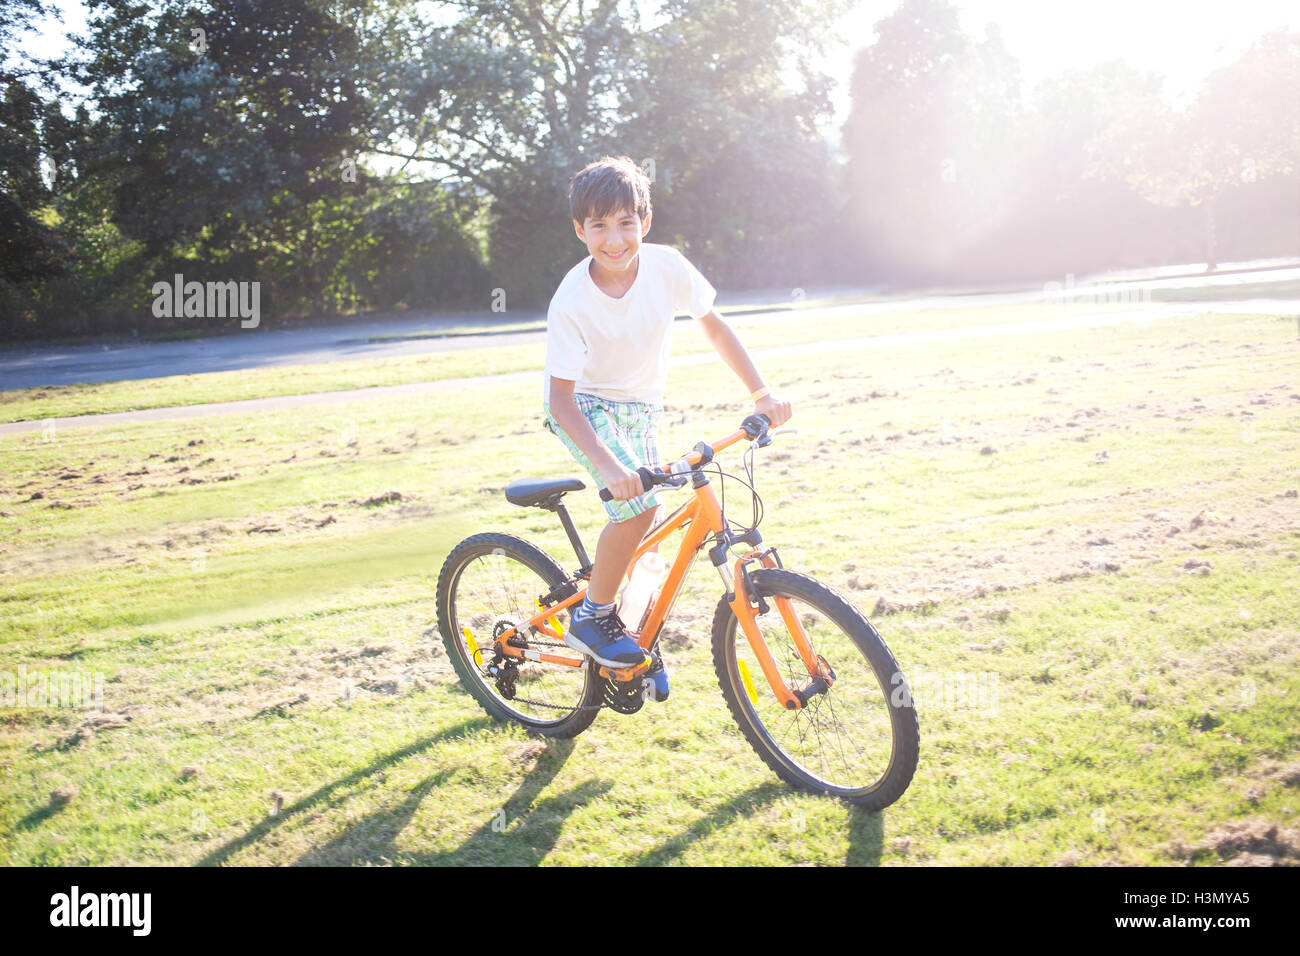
[553, 622]
[747, 681]
[473, 647]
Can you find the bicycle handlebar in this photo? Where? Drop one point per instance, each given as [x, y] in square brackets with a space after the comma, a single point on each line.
[753, 427]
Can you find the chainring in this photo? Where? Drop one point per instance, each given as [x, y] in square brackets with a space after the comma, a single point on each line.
[505, 623]
[624, 697]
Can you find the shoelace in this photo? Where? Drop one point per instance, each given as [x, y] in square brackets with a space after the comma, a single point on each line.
[610, 626]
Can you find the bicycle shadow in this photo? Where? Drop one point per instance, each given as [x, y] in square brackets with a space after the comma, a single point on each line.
[866, 829]
[740, 806]
[518, 833]
[326, 793]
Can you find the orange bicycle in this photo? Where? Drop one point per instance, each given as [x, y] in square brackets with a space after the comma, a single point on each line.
[807, 678]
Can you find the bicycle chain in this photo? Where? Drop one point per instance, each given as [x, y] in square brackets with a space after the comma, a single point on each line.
[538, 703]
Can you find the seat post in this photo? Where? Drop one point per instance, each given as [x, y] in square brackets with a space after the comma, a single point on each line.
[572, 532]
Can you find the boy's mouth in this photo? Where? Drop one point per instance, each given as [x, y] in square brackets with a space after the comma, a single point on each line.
[615, 255]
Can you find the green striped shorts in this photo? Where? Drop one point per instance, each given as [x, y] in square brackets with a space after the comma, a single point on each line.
[629, 430]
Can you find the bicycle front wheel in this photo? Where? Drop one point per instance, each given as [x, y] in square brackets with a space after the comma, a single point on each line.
[859, 740]
[490, 583]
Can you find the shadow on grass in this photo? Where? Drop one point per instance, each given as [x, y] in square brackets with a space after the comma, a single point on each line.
[866, 837]
[326, 793]
[518, 833]
[741, 805]
[866, 829]
[38, 816]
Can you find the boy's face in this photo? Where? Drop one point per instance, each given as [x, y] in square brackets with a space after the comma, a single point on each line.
[614, 240]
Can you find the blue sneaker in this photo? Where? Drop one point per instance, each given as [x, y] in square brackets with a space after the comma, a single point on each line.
[654, 685]
[604, 640]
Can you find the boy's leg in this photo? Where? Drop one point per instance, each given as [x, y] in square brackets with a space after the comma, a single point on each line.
[614, 554]
[594, 627]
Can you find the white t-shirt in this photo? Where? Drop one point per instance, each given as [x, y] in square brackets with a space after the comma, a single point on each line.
[618, 348]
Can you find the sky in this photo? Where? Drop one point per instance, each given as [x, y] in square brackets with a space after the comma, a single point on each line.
[1183, 40]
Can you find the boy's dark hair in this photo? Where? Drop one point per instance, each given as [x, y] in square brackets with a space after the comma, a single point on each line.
[610, 184]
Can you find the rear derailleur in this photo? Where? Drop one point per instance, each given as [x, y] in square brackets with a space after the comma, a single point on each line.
[504, 673]
[503, 669]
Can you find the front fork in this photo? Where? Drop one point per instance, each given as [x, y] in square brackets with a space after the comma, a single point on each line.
[742, 587]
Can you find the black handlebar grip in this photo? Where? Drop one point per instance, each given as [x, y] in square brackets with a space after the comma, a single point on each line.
[756, 425]
[647, 482]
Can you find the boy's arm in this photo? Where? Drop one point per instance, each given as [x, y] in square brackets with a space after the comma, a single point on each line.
[623, 483]
[724, 340]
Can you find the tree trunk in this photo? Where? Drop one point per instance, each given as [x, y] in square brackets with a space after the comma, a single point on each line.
[1211, 250]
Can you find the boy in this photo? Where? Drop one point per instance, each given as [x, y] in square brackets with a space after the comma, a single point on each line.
[608, 336]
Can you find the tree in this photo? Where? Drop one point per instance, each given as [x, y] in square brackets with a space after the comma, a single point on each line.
[748, 182]
[221, 112]
[514, 96]
[1244, 126]
[1074, 217]
[933, 139]
[29, 248]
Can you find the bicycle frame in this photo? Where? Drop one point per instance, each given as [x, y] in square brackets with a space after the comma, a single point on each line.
[700, 519]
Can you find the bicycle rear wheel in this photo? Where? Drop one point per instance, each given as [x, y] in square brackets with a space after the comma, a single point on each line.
[859, 740]
[491, 582]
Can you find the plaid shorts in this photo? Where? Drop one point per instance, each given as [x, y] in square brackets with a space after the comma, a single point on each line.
[629, 430]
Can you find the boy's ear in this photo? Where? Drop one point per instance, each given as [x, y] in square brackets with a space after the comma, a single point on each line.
[645, 223]
[577, 227]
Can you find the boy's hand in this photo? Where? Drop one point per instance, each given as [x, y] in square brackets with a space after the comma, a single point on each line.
[622, 482]
[775, 408]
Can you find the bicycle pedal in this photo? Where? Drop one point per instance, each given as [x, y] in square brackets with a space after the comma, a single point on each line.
[623, 674]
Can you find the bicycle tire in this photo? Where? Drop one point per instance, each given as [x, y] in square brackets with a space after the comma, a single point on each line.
[904, 731]
[548, 573]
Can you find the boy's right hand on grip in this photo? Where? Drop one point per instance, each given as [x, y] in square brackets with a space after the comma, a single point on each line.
[622, 484]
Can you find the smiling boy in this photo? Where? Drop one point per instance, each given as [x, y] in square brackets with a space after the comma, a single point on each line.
[608, 340]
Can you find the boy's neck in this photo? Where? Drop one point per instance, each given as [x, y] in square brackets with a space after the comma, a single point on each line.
[614, 284]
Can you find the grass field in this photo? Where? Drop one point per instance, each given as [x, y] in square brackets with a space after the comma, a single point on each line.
[1081, 546]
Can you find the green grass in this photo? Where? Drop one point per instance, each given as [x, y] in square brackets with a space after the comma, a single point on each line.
[975, 492]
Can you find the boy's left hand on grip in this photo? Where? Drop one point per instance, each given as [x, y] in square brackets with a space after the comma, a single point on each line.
[776, 409]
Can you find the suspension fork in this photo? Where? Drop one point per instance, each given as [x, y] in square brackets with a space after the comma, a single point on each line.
[747, 616]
